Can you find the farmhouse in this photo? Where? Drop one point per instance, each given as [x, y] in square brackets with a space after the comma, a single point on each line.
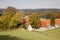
[46, 23]
[27, 23]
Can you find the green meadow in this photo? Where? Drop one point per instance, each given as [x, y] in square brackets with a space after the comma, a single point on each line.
[30, 35]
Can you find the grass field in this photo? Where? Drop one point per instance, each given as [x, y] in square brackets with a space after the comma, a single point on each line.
[30, 35]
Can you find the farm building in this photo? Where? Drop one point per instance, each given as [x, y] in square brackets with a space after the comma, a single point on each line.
[27, 23]
[46, 22]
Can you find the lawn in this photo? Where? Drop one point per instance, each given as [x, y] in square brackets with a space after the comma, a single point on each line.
[30, 35]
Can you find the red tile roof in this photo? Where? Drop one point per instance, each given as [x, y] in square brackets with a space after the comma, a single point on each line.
[44, 23]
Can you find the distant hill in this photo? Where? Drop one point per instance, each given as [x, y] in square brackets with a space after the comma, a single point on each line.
[35, 10]
[40, 10]
[1, 10]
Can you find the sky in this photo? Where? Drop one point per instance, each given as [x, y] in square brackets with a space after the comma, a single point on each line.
[30, 4]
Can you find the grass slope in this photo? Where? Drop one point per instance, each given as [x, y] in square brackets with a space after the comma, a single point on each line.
[30, 35]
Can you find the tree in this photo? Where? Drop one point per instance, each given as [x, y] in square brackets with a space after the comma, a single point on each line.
[53, 16]
[34, 20]
[15, 20]
[7, 14]
[1, 27]
[48, 16]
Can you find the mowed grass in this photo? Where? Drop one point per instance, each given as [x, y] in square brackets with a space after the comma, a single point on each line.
[30, 35]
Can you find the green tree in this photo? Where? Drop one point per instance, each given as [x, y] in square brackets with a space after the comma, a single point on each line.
[15, 20]
[7, 14]
[53, 16]
[1, 23]
[34, 20]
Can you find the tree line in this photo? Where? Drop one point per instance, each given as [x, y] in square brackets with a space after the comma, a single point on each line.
[12, 18]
